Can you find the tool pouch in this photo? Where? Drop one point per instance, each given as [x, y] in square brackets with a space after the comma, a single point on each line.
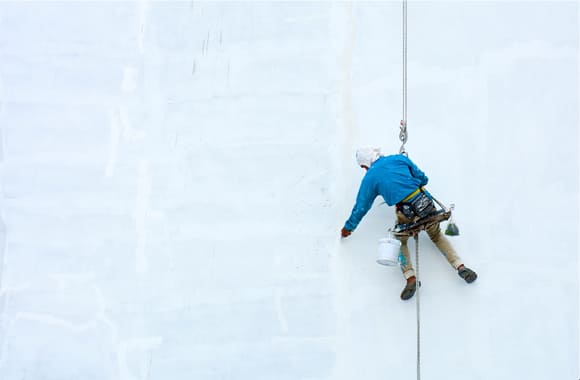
[420, 206]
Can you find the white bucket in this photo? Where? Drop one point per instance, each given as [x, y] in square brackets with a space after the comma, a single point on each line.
[388, 252]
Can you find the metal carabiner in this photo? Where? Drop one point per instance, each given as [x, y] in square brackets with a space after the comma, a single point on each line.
[403, 137]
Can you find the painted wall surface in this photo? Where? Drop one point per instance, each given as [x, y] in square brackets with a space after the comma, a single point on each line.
[174, 177]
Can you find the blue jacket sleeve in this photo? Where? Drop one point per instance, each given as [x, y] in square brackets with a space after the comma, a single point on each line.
[364, 201]
[417, 173]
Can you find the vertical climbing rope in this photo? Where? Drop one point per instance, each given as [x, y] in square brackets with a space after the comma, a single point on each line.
[405, 61]
[418, 292]
[403, 137]
[403, 133]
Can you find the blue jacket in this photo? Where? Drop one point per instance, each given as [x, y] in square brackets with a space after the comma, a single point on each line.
[393, 177]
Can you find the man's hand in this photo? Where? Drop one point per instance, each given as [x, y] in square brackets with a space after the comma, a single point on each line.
[344, 232]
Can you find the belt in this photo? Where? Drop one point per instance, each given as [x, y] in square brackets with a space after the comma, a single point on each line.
[411, 196]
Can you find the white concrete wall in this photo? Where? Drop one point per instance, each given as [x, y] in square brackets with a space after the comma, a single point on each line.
[174, 177]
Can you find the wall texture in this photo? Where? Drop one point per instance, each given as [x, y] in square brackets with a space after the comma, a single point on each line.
[174, 176]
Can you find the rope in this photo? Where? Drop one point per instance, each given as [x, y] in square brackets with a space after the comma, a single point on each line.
[403, 137]
[405, 61]
[403, 133]
[418, 307]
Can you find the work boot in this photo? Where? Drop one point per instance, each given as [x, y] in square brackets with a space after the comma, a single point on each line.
[410, 288]
[467, 274]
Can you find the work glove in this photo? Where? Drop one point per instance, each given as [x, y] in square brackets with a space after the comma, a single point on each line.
[344, 232]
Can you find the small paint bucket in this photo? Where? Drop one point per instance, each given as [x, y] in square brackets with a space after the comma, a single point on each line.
[388, 251]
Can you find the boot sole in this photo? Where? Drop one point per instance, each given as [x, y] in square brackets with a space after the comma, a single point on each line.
[469, 277]
[410, 292]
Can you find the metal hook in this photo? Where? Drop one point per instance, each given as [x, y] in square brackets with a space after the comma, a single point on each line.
[403, 137]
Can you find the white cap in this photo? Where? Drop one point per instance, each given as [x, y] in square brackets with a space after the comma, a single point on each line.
[367, 155]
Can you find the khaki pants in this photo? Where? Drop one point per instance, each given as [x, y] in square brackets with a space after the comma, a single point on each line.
[436, 237]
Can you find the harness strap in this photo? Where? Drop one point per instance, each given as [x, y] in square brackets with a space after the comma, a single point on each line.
[410, 196]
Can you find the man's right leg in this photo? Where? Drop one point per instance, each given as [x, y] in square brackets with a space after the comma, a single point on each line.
[446, 248]
[444, 245]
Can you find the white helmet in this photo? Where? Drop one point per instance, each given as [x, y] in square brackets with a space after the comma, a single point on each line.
[367, 155]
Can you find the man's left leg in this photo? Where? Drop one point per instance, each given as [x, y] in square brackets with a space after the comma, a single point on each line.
[405, 262]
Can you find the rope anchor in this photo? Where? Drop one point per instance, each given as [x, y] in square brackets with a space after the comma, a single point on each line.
[403, 133]
[403, 136]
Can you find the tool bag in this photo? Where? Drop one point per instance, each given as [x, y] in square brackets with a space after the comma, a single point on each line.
[420, 206]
